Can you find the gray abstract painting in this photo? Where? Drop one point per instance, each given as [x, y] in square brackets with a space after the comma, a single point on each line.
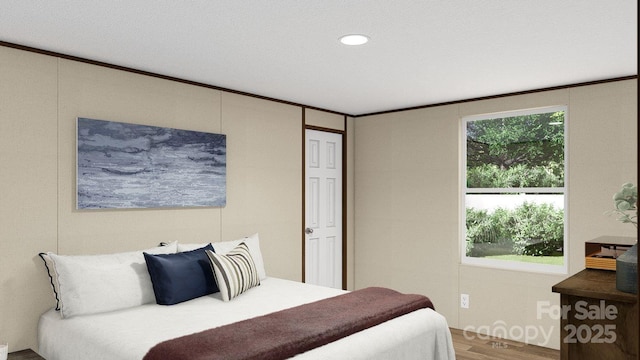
[122, 165]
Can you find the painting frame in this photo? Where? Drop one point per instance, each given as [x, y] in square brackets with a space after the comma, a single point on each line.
[131, 166]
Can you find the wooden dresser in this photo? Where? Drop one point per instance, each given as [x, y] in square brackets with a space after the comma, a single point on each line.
[598, 321]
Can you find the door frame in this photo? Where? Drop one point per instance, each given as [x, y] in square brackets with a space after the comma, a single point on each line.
[306, 127]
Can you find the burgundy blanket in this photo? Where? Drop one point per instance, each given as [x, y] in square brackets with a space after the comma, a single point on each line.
[288, 332]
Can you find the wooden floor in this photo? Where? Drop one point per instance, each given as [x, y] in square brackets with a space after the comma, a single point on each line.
[480, 349]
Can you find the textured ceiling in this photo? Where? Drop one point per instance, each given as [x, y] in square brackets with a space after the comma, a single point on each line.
[420, 53]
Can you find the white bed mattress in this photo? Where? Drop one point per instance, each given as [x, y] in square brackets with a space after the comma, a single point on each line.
[128, 334]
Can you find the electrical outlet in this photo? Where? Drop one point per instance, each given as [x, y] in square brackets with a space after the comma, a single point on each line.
[464, 301]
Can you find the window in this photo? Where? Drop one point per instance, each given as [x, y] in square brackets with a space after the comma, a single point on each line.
[514, 190]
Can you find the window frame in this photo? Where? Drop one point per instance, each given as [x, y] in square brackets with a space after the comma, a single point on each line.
[506, 264]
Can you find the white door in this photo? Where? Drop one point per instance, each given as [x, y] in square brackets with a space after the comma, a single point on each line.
[323, 208]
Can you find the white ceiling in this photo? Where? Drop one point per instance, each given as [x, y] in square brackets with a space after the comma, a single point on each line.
[420, 53]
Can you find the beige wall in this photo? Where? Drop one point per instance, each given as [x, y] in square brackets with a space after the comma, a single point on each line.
[28, 189]
[101, 93]
[324, 119]
[407, 203]
[264, 184]
[40, 98]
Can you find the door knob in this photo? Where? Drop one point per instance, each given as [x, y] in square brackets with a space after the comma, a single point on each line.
[308, 231]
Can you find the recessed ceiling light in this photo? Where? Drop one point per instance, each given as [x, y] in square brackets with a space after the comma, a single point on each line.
[354, 39]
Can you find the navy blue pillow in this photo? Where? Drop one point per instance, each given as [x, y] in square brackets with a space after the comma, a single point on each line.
[182, 276]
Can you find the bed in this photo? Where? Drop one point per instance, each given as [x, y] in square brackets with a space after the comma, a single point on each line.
[115, 327]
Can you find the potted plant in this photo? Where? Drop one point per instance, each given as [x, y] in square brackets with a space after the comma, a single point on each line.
[626, 208]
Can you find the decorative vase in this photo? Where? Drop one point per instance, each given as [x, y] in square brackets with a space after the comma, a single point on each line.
[627, 270]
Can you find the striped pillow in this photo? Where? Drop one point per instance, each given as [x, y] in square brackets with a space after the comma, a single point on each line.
[235, 271]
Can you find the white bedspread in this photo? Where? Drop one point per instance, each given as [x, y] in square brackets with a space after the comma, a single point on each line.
[128, 334]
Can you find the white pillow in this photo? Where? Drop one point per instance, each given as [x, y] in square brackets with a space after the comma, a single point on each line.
[223, 247]
[89, 284]
[189, 247]
[235, 271]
